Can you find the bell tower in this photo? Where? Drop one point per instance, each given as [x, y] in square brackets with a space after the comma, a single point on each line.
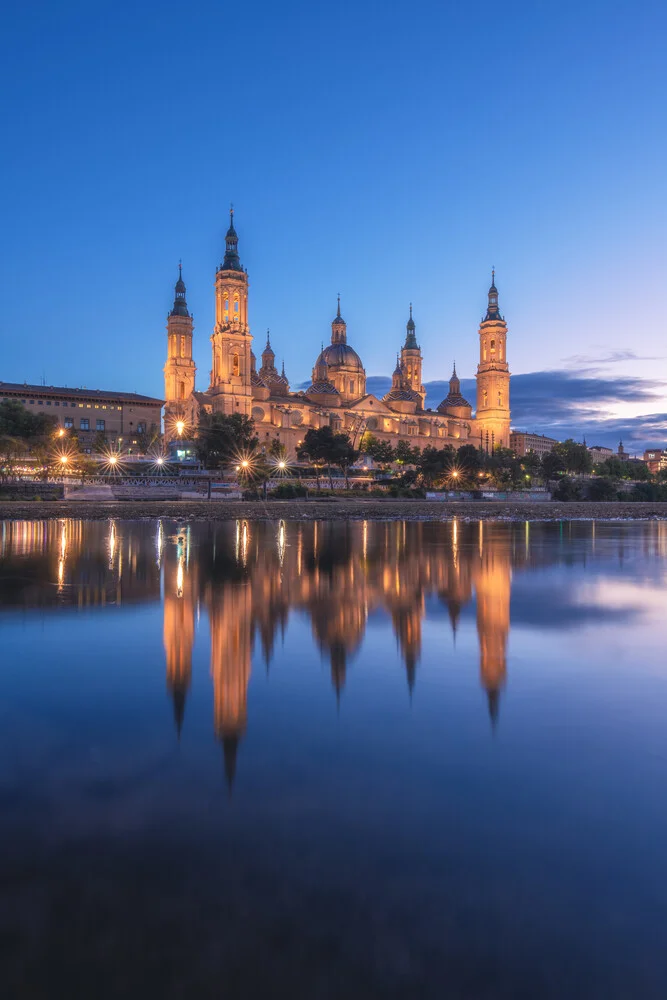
[231, 387]
[411, 359]
[492, 418]
[180, 369]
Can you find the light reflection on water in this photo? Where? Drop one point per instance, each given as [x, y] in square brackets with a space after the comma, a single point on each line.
[488, 752]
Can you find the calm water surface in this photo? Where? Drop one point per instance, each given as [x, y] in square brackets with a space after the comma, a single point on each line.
[329, 760]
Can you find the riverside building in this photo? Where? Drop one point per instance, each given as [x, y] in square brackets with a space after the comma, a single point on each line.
[337, 395]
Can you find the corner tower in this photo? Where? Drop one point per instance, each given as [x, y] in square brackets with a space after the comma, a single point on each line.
[180, 369]
[493, 376]
[411, 359]
[231, 387]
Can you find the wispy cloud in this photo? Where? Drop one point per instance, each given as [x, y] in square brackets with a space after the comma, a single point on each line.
[597, 361]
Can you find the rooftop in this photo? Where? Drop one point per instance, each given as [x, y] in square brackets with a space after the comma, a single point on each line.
[25, 389]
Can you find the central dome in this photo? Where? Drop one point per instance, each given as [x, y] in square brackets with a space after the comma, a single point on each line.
[339, 355]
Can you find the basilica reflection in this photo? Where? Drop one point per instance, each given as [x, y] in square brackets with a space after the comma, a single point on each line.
[248, 578]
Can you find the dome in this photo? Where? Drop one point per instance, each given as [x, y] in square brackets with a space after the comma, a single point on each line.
[258, 381]
[322, 389]
[405, 395]
[339, 355]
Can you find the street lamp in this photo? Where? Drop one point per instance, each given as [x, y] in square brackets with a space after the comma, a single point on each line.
[282, 465]
[113, 460]
[63, 459]
[160, 460]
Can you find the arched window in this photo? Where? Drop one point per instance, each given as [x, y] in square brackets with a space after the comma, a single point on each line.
[173, 349]
[181, 390]
[226, 305]
[485, 398]
[500, 399]
[236, 305]
[493, 345]
[351, 386]
[182, 347]
[235, 365]
[484, 346]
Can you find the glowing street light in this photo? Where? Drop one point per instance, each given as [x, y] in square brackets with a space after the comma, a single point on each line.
[159, 460]
[63, 459]
[61, 432]
[113, 459]
[245, 463]
[282, 465]
[180, 427]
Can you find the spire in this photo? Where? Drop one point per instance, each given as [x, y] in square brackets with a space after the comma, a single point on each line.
[410, 337]
[492, 311]
[338, 327]
[231, 261]
[268, 355]
[180, 305]
[454, 383]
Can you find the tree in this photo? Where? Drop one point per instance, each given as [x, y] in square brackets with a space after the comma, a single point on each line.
[405, 455]
[611, 466]
[99, 442]
[553, 464]
[436, 464]
[577, 457]
[148, 439]
[602, 488]
[567, 490]
[381, 452]
[324, 448]
[17, 422]
[224, 439]
[278, 450]
[470, 459]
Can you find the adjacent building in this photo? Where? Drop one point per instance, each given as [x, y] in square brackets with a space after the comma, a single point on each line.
[337, 395]
[656, 459]
[524, 443]
[121, 418]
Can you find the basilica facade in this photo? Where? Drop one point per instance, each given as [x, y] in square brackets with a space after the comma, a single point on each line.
[337, 394]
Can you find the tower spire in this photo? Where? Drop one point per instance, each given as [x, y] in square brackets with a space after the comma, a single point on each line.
[180, 305]
[231, 261]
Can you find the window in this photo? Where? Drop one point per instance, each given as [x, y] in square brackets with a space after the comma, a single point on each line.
[236, 305]
[85, 424]
[182, 347]
[48, 402]
[493, 345]
[56, 404]
[351, 386]
[141, 428]
[235, 363]
[100, 425]
[226, 304]
[181, 390]
[32, 402]
[486, 398]
[69, 422]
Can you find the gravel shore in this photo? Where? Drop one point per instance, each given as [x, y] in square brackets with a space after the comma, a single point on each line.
[337, 510]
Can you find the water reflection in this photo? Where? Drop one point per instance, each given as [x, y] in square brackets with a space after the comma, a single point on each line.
[249, 577]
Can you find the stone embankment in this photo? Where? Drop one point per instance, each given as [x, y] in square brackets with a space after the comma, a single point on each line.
[334, 510]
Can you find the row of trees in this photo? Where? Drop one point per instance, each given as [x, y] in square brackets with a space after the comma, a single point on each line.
[226, 440]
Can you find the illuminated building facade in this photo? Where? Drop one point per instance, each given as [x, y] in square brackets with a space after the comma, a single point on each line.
[337, 395]
[121, 418]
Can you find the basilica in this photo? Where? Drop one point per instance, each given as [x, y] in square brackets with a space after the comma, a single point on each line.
[337, 394]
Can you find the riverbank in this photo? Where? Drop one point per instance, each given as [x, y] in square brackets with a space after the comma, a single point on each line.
[335, 510]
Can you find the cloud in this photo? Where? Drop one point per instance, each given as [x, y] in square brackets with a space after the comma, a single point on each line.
[570, 403]
[590, 362]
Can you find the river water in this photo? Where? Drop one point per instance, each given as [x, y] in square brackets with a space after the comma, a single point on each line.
[333, 759]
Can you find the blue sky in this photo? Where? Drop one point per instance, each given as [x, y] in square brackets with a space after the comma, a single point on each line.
[390, 153]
